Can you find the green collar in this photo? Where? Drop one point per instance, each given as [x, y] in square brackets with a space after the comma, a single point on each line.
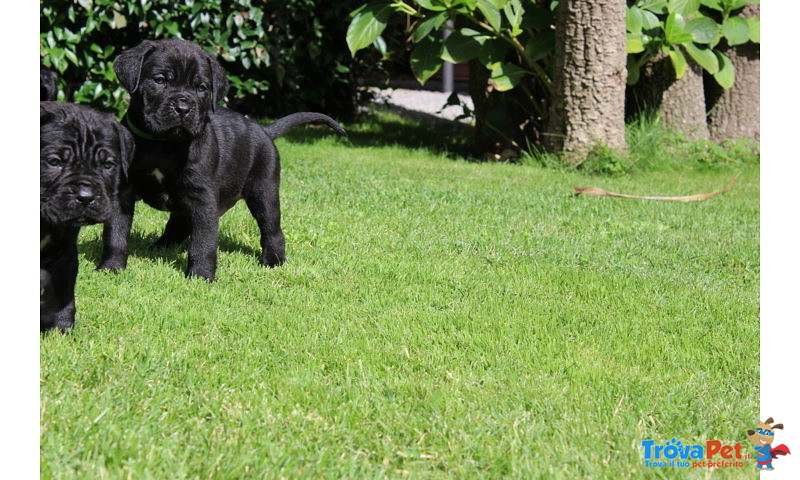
[141, 133]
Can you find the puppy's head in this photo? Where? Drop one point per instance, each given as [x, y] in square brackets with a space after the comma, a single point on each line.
[173, 83]
[84, 154]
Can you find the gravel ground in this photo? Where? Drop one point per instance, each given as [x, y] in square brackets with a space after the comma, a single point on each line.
[423, 101]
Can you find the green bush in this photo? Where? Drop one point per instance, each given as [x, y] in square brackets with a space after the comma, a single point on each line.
[281, 56]
[694, 28]
[511, 43]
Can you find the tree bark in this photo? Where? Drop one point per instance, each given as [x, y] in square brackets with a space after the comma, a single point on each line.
[680, 102]
[683, 106]
[589, 80]
[734, 112]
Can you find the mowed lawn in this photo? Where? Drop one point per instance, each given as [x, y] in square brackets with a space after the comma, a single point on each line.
[435, 319]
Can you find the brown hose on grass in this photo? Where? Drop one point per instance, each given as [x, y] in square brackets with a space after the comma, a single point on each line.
[688, 198]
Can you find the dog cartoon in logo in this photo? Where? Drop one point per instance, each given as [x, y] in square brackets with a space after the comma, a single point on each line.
[762, 439]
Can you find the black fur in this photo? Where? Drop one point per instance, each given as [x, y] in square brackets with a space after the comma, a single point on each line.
[84, 155]
[194, 159]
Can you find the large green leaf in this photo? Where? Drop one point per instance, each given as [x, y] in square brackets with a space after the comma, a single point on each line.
[735, 4]
[705, 57]
[713, 4]
[426, 26]
[755, 29]
[655, 6]
[736, 30]
[675, 29]
[727, 74]
[650, 20]
[426, 58]
[434, 5]
[514, 12]
[678, 62]
[634, 20]
[634, 43]
[491, 13]
[462, 45]
[703, 30]
[506, 76]
[493, 52]
[540, 45]
[368, 23]
[683, 7]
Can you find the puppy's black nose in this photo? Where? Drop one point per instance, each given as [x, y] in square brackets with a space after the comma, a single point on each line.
[181, 107]
[84, 195]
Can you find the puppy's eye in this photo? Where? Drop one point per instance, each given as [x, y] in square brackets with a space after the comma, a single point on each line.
[202, 87]
[108, 164]
[160, 79]
[54, 161]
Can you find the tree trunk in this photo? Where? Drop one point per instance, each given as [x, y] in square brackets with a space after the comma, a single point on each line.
[683, 106]
[589, 80]
[680, 102]
[734, 112]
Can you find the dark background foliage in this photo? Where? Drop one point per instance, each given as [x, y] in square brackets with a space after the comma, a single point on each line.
[281, 56]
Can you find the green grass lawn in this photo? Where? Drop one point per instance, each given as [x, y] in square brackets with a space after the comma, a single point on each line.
[436, 318]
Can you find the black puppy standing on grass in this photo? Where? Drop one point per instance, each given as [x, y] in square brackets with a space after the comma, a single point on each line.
[193, 158]
[83, 157]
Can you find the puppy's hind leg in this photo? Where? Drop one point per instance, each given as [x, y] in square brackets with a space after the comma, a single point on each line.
[261, 196]
[177, 230]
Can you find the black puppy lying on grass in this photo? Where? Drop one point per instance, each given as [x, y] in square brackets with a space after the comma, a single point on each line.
[83, 157]
[194, 159]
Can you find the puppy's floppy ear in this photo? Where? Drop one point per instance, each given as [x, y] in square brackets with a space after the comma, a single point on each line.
[48, 112]
[127, 147]
[128, 65]
[219, 81]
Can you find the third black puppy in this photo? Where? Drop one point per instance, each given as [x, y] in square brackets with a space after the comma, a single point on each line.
[83, 157]
[194, 159]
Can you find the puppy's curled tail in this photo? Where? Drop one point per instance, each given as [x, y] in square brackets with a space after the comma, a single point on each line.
[284, 124]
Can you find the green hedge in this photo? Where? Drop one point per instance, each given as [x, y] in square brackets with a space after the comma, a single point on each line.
[281, 56]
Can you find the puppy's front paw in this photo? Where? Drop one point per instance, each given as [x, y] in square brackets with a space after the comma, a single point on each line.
[200, 273]
[112, 265]
[273, 260]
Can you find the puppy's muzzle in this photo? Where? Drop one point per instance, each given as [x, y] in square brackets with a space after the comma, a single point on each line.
[181, 107]
[85, 195]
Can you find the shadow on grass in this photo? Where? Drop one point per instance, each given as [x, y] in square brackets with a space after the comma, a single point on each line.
[399, 127]
[141, 246]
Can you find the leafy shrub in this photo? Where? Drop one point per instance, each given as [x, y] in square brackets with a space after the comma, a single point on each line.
[509, 37]
[509, 41]
[281, 56]
[688, 27]
[513, 41]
